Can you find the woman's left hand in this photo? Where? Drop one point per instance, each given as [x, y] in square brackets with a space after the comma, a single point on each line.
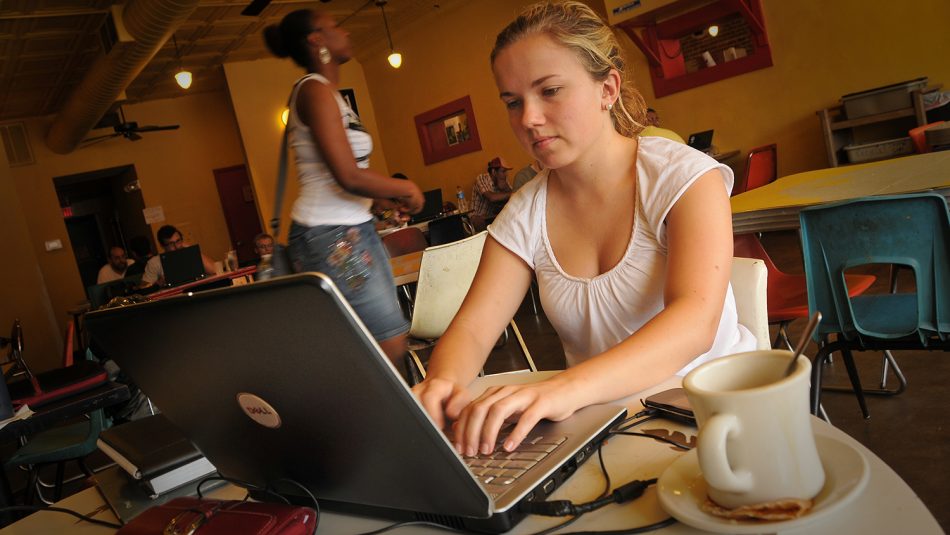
[477, 428]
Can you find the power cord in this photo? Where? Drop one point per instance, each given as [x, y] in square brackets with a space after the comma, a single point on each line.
[624, 493]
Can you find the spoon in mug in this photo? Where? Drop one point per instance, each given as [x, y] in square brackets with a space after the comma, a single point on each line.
[809, 329]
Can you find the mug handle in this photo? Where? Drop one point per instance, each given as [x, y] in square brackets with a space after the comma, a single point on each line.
[713, 459]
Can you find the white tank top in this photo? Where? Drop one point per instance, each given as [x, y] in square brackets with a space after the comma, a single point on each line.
[593, 315]
[321, 200]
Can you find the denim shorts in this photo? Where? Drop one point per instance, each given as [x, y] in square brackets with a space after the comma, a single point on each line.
[355, 259]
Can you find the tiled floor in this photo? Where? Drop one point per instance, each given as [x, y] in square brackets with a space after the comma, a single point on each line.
[909, 432]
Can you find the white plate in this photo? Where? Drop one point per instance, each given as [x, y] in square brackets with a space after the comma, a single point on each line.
[682, 489]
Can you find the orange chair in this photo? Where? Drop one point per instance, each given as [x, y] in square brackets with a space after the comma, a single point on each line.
[787, 296]
[405, 241]
[918, 137]
[762, 169]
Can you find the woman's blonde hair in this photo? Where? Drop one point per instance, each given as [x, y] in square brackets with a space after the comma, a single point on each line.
[576, 27]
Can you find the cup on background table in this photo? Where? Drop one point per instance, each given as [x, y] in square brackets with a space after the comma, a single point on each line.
[230, 261]
[756, 442]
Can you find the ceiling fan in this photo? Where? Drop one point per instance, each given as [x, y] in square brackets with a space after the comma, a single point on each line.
[128, 129]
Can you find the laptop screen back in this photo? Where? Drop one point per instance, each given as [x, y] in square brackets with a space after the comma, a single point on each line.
[432, 207]
[182, 265]
[279, 379]
[701, 141]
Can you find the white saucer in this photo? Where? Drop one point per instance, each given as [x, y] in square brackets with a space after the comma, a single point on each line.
[682, 489]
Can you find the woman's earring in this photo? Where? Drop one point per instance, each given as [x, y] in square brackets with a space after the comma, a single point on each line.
[325, 56]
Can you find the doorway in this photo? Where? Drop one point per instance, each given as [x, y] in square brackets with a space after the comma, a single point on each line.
[101, 209]
[240, 211]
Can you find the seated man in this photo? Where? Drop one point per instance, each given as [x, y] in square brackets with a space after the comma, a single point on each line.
[490, 194]
[653, 128]
[117, 266]
[263, 244]
[171, 240]
[525, 175]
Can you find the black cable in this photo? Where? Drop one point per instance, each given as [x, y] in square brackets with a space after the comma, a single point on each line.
[36, 509]
[412, 523]
[655, 437]
[632, 531]
[239, 483]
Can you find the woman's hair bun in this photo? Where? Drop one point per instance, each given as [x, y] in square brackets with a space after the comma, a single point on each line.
[274, 40]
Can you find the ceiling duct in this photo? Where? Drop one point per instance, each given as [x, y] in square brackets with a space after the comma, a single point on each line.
[142, 27]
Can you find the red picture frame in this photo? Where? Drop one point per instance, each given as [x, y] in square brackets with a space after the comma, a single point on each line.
[448, 131]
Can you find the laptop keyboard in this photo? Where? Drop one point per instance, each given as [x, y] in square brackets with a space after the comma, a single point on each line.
[498, 470]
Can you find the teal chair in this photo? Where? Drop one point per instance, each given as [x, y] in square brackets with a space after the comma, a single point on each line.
[906, 230]
[59, 445]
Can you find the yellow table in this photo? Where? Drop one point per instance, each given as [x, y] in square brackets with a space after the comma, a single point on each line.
[776, 205]
[406, 267]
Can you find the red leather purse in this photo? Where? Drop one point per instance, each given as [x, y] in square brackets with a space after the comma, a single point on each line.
[193, 516]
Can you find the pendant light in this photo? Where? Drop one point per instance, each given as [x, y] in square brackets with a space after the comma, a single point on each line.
[183, 77]
[395, 58]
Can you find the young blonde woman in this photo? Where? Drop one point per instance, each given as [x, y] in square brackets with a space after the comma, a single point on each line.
[630, 239]
[333, 229]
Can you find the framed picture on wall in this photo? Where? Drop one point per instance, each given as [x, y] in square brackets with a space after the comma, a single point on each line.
[448, 131]
[350, 97]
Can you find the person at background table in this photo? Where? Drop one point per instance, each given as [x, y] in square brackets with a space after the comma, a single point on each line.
[630, 239]
[490, 193]
[333, 229]
[652, 128]
[528, 172]
[117, 266]
[170, 239]
[263, 244]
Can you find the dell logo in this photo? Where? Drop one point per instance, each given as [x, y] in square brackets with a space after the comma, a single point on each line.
[258, 410]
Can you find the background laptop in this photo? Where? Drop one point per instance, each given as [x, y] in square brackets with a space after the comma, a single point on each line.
[701, 141]
[432, 208]
[182, 265]
[329, 410]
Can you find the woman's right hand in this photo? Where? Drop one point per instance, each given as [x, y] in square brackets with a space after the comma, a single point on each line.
[413, 201]
[442, 399]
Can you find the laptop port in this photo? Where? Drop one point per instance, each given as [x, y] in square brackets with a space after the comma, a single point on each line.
[581, 455]
[548, 486]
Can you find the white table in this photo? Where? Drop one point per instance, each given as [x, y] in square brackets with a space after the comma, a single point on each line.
[887, 505]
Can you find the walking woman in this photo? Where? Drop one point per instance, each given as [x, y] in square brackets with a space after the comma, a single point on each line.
[333, 229]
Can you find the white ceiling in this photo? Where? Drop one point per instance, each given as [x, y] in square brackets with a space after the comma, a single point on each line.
[47, 46]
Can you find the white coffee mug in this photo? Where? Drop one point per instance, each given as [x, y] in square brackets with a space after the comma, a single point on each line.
[756, 442]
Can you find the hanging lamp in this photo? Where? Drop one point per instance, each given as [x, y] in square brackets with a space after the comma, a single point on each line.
[183, 77]
[395, 58]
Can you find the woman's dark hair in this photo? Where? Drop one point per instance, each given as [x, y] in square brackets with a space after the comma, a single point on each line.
[140, 247]
[289, 37]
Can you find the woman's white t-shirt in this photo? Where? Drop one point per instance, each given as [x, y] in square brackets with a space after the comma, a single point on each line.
[321, 200]
[593, 315]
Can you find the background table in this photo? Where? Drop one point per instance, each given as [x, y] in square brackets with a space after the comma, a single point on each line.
[776, 205]
[887, 505]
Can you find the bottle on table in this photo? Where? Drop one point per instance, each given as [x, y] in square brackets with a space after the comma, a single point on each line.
[460, 195]
[265, 269]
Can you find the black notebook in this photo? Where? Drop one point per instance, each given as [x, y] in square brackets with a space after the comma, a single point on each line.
[155, 451]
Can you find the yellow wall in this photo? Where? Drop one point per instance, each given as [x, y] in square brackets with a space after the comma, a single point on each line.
[174, 169]
[259, 92]
[23, 292]
[821, 50]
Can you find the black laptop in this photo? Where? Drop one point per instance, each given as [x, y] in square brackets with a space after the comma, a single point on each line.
[304, 392]
[182, 266]
[432, 208]
[701, 141]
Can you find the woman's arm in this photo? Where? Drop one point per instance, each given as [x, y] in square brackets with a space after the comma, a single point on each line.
[699, 230]
[497, 290]
[318, 109]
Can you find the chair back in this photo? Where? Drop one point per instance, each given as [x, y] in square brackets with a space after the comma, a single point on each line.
[909, 230]
[445, 276]
[447, 230]
[749, 285]
[405, 241]
[761, 169]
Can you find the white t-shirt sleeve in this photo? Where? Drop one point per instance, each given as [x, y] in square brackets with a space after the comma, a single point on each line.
[153, 270]
[519, 225]
[666, 175]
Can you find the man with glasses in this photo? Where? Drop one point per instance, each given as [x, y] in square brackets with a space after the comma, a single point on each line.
[171, 240]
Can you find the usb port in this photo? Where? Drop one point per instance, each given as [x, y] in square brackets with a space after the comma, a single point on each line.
[581, 455]
[548, 486]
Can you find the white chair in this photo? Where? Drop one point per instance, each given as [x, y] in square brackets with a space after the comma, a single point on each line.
[748, 279]
[445, 275]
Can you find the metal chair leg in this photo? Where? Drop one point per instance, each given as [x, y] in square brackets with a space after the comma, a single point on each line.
[889, 363]
[781, 338]
[855, 380]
